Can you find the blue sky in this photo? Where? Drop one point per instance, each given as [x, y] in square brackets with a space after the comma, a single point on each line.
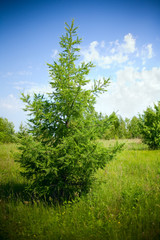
[122, 38]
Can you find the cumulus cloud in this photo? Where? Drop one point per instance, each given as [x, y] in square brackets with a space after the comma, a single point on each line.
[91, 54]
[129, 45]
[116, 52]
[132, 92]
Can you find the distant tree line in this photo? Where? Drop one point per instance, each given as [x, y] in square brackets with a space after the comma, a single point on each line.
[145, 126]
[115, 127]
[108, 127]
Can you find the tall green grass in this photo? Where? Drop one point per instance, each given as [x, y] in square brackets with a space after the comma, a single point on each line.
[123, 204]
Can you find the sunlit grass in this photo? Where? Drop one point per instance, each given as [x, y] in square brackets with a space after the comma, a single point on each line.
[130, 144]
[123, 204]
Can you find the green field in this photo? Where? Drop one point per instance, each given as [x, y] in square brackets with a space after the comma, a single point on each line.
[123, 204]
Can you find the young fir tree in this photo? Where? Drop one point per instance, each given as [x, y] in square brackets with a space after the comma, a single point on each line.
[59, 157]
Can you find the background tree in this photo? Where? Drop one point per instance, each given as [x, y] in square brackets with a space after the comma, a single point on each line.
[115, 127]
[134, 128]
[59, 155]
[150, 126]
[104, 125]
[7, 133]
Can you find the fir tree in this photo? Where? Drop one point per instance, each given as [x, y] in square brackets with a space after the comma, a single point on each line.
[59, 156]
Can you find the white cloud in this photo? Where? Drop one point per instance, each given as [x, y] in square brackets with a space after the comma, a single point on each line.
[91, 54]
[115, 52]
[150, 50]
[146, 53]
[129, 45]
[118, 58]
[20, 85]
[15, 74]
[132, 92]
[11, 108]
[10, 103]
[42, 89]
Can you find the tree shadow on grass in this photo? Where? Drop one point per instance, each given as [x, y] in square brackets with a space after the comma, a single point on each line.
[13, 190]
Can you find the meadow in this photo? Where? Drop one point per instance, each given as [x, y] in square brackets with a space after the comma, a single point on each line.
[123, 203]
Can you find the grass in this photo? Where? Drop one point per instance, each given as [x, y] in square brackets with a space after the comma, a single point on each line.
[123, 204]
[130, 144]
